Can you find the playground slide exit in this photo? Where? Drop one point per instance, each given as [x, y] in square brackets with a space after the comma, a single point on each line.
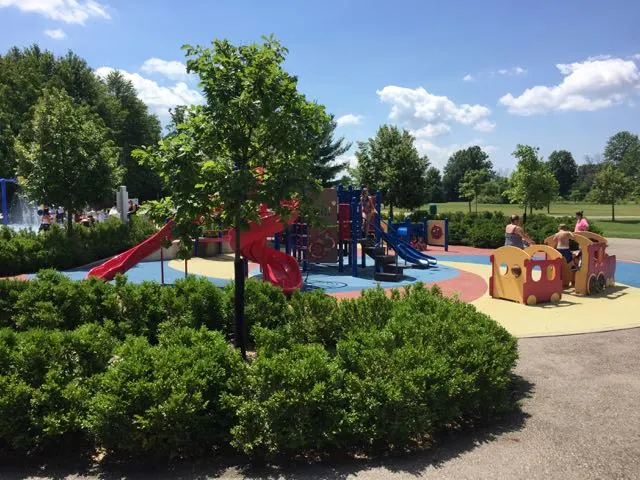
[128, 259]
[404, 250]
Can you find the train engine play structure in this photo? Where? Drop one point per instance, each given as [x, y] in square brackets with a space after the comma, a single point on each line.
[539, 273]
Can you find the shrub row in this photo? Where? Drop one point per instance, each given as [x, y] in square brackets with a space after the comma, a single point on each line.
[140, 370]
[27, 252]
[486, 229]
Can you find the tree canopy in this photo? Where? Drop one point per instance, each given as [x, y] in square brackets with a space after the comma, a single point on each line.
[610, 185]
[565, 170]
[618, 145]
[252, 143]
[25, 74]
[532, 184]
[472, 158]
[472, 184]
[389, 162]
[65, 156]
[326, 166]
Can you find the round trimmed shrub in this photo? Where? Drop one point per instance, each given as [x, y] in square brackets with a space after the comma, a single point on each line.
[166, 400]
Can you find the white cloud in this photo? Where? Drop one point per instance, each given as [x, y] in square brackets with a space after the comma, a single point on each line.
[57, 34]
[511, 72]
[636, 56]
[352, 161]
[68, 11]
[431, 130]
[587, 86]
[169, 68]
[159, 98]
[349, 119]
[468, 78]
[417, 108]
[484, 126]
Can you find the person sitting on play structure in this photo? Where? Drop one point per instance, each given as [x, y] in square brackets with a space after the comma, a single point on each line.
[581, 225]
[418, 243]
[561, 243]
[514, 234]
[368, 210]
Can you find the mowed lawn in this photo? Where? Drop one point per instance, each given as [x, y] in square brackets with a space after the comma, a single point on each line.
[590, 209]
[627, 224]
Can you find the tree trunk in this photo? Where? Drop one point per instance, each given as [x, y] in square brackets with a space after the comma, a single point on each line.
[238, 265]
[530, 209]
[391, 212]
[613, 212]
[476, 204]
[469, 206]
[548, 208]
[69, 221]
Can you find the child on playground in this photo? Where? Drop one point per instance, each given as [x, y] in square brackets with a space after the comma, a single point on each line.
[368, 210]
[561, 240]
[418, 243]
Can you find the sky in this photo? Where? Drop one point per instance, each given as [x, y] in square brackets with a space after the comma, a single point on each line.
[556, 75]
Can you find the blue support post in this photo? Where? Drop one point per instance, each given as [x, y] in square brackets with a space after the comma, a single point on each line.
[353, 256]
[196, 247]
[287, 240]
[276, 241]
[446, 234]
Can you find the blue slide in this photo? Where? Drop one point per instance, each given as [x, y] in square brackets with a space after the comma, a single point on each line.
[404, 250]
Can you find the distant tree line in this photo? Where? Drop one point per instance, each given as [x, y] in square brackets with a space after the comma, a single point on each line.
[390, 162]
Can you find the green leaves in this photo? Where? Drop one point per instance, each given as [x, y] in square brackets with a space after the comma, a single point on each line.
[532, 184]
[610, 185]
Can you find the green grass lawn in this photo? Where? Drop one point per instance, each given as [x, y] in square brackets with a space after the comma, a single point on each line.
[620, 228]
[568, 208]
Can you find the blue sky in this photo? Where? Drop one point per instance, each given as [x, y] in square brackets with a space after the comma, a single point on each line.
[494, 73]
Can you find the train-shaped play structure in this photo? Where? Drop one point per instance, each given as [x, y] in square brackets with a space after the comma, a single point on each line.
[539, 273]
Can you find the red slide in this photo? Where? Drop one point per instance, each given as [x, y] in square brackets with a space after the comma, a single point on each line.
[123, 262]
[277, 267]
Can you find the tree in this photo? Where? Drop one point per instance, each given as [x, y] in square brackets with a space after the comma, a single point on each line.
[66, 157]
[389, 162]
[565, 170]
[472, 158]
[325, 165]
[252, 143]
[133, 127]
[630, 163]
[472, 184]
[610, 185]
[618, 145]
[434, 185]
[532, 185]
[586, 173]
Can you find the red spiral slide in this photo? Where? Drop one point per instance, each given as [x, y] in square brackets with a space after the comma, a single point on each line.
[124, 261]
[277, 267]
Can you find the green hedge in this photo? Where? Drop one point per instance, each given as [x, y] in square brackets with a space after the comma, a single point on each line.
[27, 252]
[144, 371]
[486, 229]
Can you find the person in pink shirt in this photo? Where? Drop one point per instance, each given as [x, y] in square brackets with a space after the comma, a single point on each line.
[581, 225]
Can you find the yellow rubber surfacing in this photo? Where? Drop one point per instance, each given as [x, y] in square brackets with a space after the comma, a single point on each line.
[220, 266]
[574, 314]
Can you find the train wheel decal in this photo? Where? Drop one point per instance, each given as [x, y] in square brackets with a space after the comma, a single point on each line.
[602, 282]
[592, 286]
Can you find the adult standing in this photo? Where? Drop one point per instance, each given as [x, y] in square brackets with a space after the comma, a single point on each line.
[581, 224]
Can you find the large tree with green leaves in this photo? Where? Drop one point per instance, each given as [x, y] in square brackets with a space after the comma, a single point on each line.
[133, 127]
[610, 185]
[390, 162]
[618, 145]
[434, 185]
[532, 184]
[252, 143]
[65, 156]
[472, 158]
[326, 166]
[565, 170]
[472, 185]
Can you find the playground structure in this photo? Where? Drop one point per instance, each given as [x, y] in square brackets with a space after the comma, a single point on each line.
[519, 276]
[512, 271]
[596, 270]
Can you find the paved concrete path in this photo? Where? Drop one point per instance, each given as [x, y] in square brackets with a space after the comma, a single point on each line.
[580, 420]
[625, 248]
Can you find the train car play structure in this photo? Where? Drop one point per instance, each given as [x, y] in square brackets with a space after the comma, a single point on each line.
[523, 276]
[519, 275]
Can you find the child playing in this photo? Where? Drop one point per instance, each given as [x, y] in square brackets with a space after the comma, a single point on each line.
[561, 240]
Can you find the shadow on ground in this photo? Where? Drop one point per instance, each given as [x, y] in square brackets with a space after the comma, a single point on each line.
[445, 446]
